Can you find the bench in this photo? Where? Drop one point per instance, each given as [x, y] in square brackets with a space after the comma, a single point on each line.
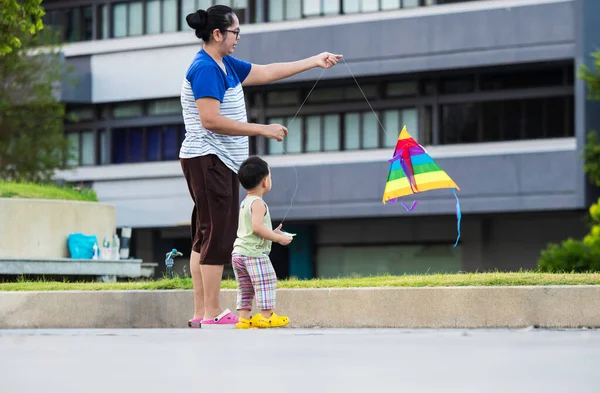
[104, 270]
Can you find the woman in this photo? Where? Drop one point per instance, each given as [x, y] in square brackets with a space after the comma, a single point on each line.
[215, 145]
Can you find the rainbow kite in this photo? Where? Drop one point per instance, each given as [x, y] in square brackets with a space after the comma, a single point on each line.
[412, 170]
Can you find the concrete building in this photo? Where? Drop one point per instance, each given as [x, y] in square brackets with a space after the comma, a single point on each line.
[488, 86]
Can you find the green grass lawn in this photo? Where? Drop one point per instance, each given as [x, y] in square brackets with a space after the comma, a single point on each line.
[45, 191]
[432, 280]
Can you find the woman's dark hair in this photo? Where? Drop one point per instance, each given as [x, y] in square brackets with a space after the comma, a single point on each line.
[215, 17]
[252, 171]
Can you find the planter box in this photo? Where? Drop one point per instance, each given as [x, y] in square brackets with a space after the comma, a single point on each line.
[39, 228]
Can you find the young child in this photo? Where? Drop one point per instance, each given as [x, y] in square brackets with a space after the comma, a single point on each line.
[252, 267]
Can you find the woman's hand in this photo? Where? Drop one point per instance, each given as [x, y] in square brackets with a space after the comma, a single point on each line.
[275, 131]
[326, 59]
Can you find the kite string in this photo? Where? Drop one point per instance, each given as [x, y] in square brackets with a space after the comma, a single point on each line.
[283, 148]
[298, 111]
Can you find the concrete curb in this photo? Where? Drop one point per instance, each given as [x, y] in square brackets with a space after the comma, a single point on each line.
[431, 307]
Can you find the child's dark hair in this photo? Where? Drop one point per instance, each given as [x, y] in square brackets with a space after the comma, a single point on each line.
[252, 171]
[215, 17]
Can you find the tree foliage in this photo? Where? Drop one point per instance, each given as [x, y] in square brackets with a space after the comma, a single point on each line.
[582, 255]
[18, 17]
[591, 76]
[32, 141]
[591, 152]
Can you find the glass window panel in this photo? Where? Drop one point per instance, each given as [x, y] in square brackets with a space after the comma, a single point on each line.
[88, 148]
[331, 133]
[370, 5]
[351, 6]
[370, 131]
[122, 111]
[515, 79]
[311, 7]
[223, 2]
[331, 7]
[351, 131]
[390, 4]
[73, 27]
[275, 147]
[187, 7]
[410, 3]
[169, 16]
[457, 85]
[134, 18]
[103, 147]
[293, 141]
[276, 10]
[81, 114]
[512, 120]
[410, 119]
[459, 123]
[313, 133]
[153, 17]
[119, 20]
[170, 143]
[182, 135]
[328, 95]
[240, 4]
[105, 21]
[136, 145]
[73, 138]
[293, 9]
[534, 118]
[282, 98]
[556, 110]
[153, 135]
[492, 115]
[354, 92]
[171, 106]
[88, 23]
[391, 122]
[119, 146]
[400, 89]
[426, 125]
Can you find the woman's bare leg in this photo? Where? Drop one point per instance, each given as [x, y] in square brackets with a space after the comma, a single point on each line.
[196, 272]
[211, 279]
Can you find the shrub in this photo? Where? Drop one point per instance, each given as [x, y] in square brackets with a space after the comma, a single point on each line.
[570, 256]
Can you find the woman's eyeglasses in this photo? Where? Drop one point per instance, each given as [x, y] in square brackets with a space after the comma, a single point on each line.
[236, 32]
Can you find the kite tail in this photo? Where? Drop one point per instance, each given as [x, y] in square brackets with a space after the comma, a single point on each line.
[458, 215]
[412, 206]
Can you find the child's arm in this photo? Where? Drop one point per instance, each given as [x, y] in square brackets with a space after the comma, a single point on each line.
[259, 210]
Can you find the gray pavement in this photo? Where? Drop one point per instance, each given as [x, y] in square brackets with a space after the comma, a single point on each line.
[299, 360]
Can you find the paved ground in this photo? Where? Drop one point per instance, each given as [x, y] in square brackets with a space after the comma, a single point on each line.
[298, 360]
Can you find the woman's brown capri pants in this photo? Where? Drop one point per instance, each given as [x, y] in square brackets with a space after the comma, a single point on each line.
[215, 190]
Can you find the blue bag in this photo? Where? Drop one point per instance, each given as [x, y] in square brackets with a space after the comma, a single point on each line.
[81, 246]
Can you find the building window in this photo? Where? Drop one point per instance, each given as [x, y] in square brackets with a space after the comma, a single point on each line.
[146, 144]
[351, 131]
[123, 18]
[169, 106]
[74, 24]
[347, 131]
[294, 142]
[128, 110]
[518, 119]
[331, 132]
[84, 147]
[161, 16]
[127, 19]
